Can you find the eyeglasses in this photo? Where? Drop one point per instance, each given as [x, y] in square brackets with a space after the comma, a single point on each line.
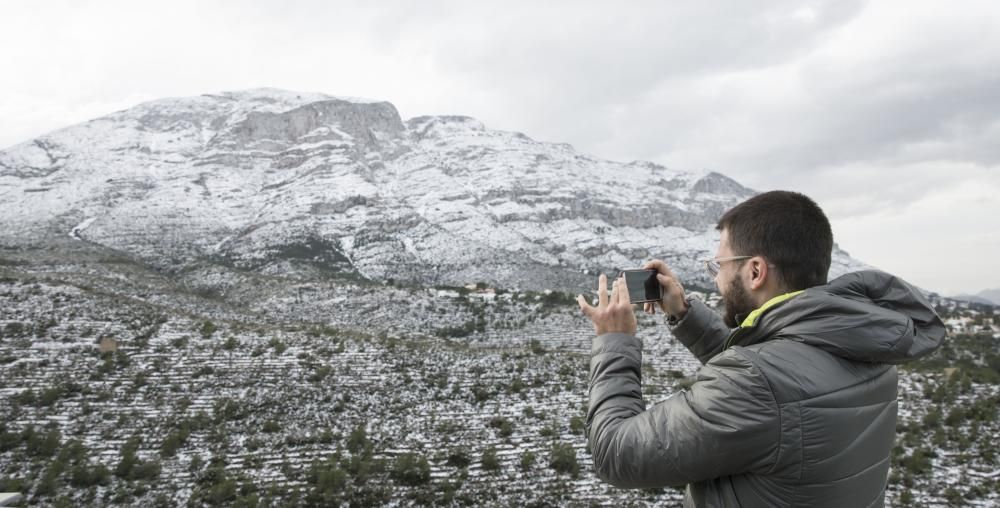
[713, 265]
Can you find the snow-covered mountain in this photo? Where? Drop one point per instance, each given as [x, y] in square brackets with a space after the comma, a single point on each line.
[283, 182]
[993, 295]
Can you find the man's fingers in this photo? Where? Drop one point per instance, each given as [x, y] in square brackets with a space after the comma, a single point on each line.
[623, 296]
[667, 283]
[584, 306]
[657, 265]
[668, 287]
[602, 291]
[660, 267]
[614, 290]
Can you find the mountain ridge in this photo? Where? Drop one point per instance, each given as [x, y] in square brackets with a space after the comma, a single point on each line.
[986, 296]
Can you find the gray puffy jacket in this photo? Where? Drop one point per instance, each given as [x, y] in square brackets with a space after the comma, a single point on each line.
[797, 409]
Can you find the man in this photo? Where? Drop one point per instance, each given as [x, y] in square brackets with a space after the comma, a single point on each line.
[795, 404]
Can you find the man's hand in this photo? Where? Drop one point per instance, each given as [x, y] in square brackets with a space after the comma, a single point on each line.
[614, 315]
[673, 302]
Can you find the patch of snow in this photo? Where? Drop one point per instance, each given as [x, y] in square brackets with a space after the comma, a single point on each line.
[75, 232]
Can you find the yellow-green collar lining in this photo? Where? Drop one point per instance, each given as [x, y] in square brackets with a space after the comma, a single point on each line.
[751, 319]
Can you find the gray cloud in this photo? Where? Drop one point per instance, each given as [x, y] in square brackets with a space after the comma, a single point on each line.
[585, 66]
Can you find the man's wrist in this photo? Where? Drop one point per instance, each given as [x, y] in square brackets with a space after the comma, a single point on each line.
[605, 331]
[674, 318]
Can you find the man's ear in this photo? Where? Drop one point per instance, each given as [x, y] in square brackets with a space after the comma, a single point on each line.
[758, 272]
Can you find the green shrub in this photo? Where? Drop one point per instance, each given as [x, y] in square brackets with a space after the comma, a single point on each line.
[14, 485]
[26, 398]
[320, 373]
[504, 427]
[358, 440]
[174, 441]
[489, 460]
[145, 470]
[411, 469]
[327, 483]
[548, 431]
[229, 410]
[278, 345]
[128, 458]
[214, 488]
[207, 329]
[41, 446]
[14, 329]
[83, 476]
[9, 441]
[481, 393]
[563, 459]
[536, 347]
[918, 462]
[527, 460]
[458, 457]
[50, 395]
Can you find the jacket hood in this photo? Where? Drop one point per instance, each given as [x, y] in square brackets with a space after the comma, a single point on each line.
[868, 316]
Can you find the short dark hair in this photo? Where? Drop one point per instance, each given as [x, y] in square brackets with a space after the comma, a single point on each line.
[786, 228]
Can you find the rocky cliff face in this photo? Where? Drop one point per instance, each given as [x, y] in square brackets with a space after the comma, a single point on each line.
[290, 183]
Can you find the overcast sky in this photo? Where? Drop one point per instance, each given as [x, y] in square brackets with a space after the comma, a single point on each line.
[887, 113]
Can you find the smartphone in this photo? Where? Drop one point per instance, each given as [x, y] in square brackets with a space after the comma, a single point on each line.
[642, 286]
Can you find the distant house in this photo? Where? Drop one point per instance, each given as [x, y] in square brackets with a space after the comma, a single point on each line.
[10, 498]
[487, 295]
[107, 345]
[447, 293]
[302, 290]
[958, 325]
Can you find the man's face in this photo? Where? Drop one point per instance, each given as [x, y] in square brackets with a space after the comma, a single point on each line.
[735, 298]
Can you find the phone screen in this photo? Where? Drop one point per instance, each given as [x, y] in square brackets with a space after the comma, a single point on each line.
[642, 286]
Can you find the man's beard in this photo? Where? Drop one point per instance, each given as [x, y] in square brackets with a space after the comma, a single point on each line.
[737, 302]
